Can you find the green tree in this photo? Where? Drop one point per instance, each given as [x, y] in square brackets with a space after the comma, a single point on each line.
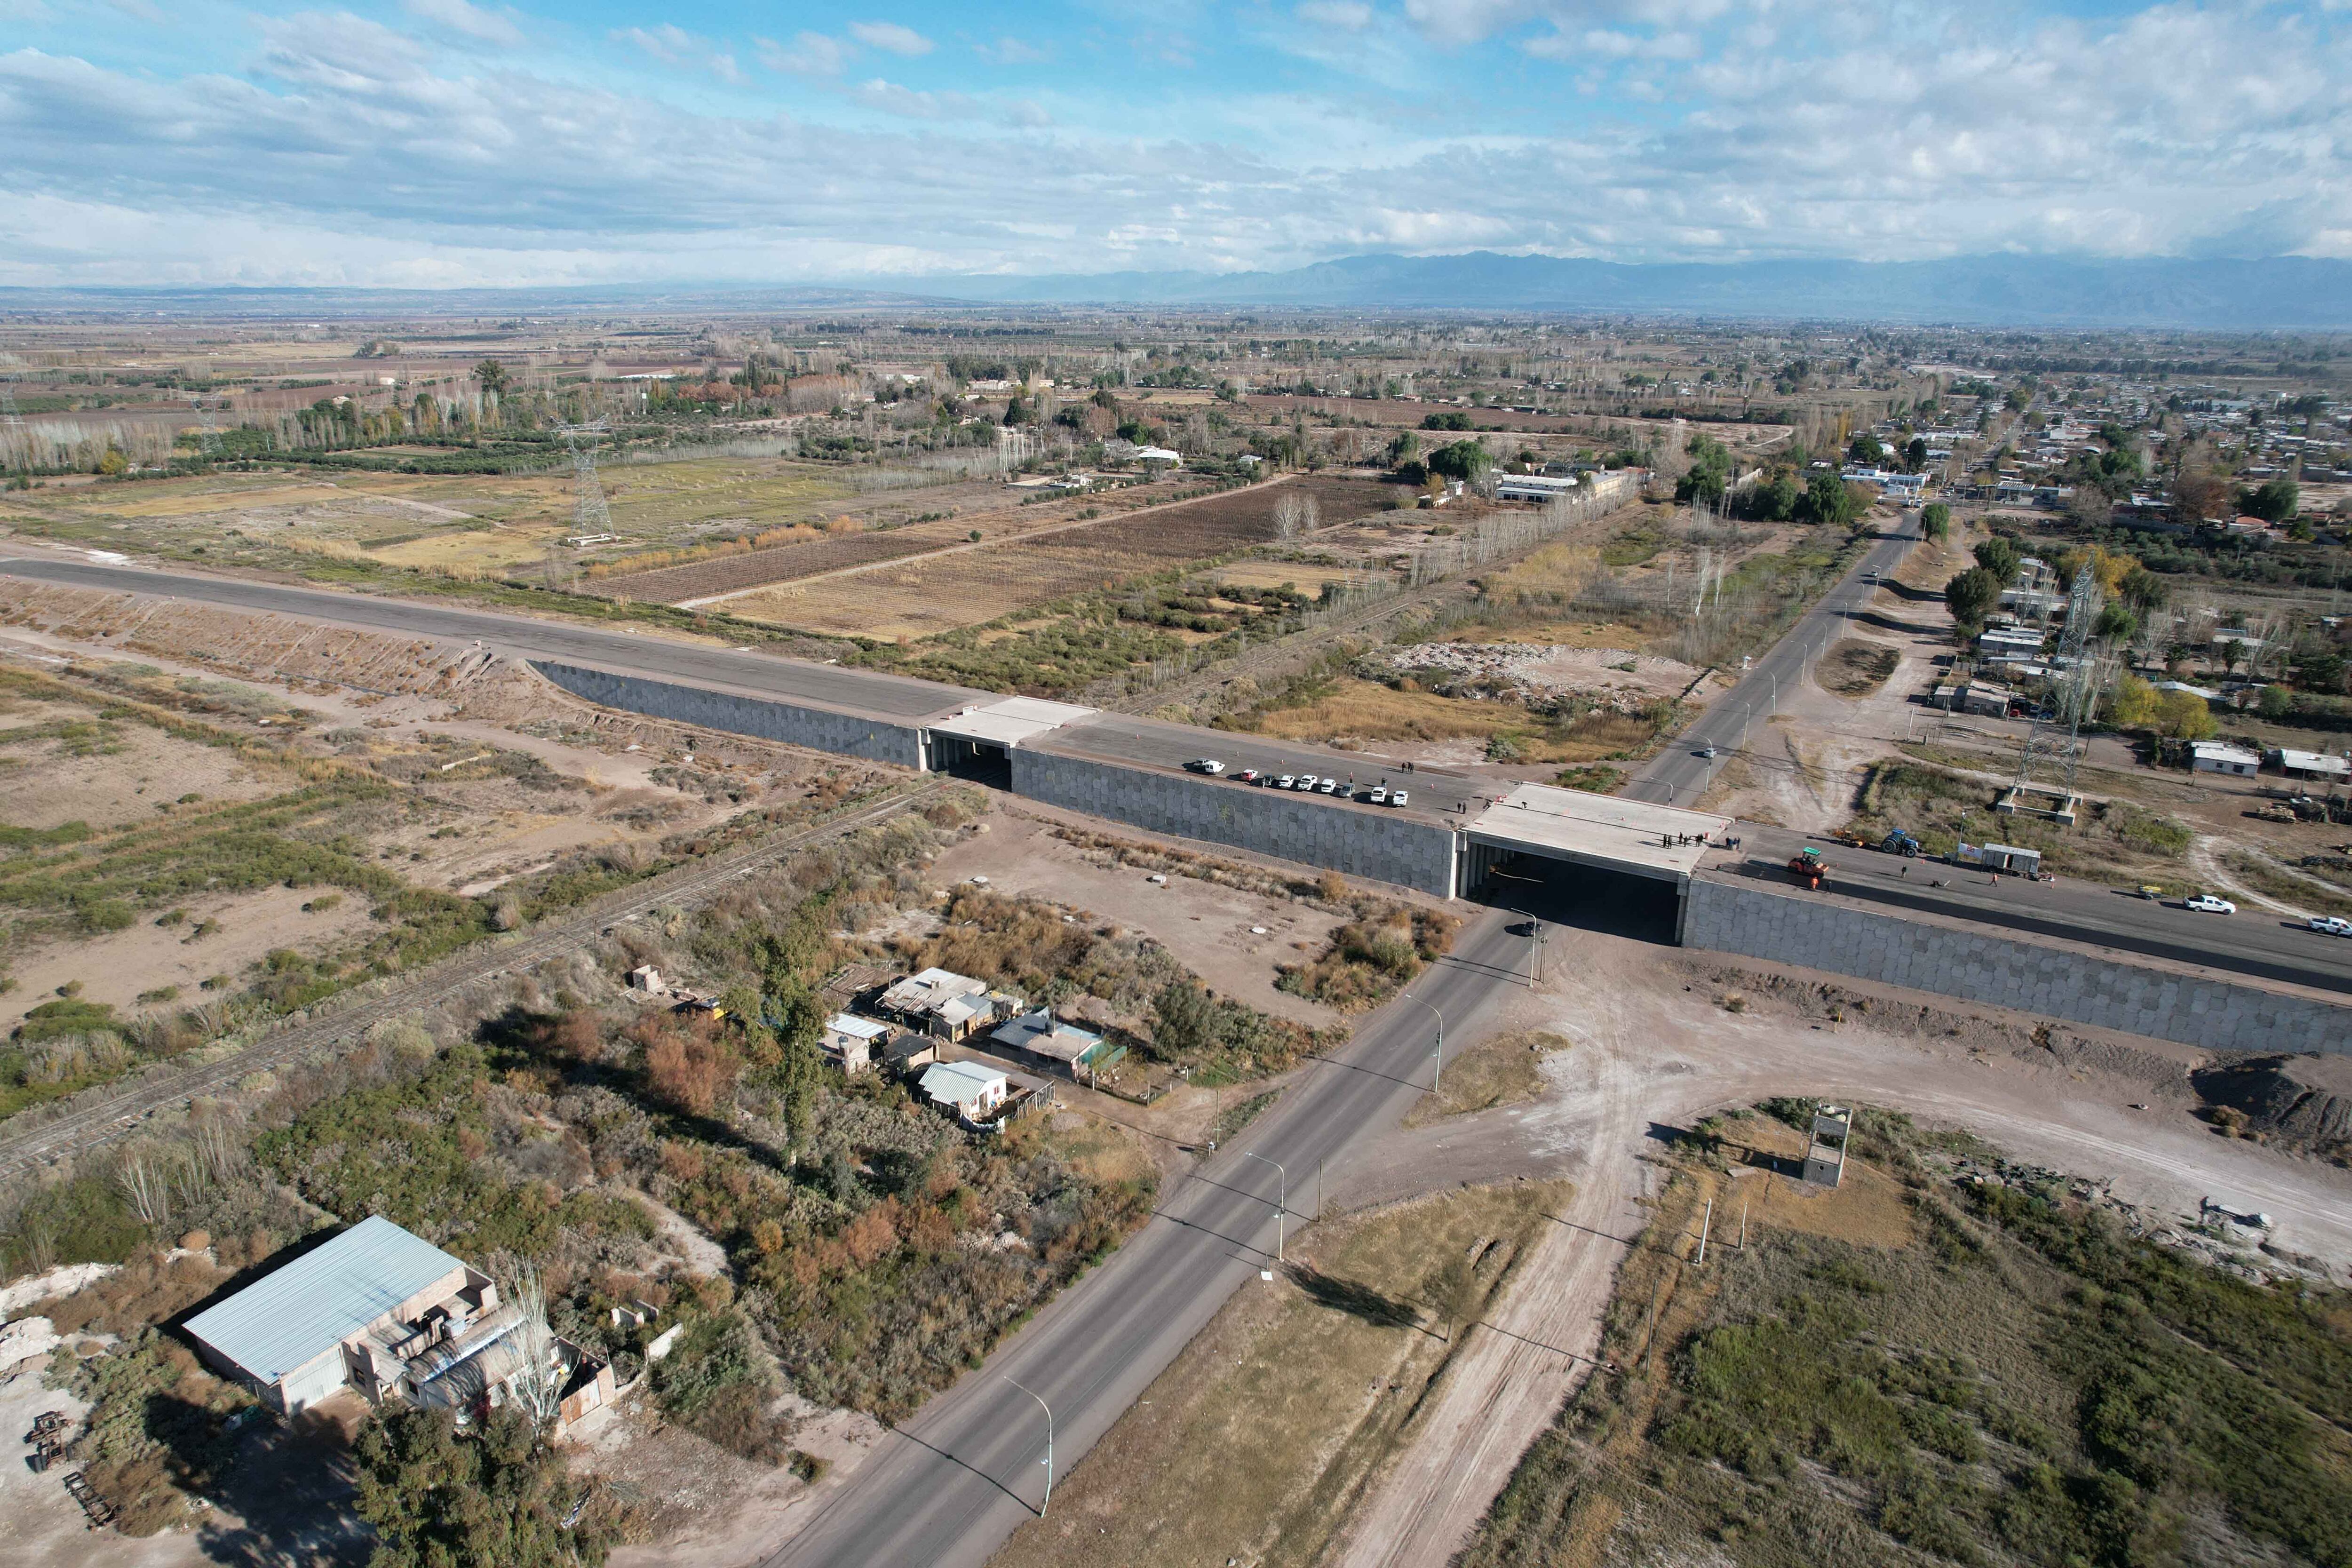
[496, 1497]
[1710, 471]
[1826, 500]
[1864, 449]
[1463, 460]
[2184, 716]
[1935, 521]
[1915, 455]
[1403, 449]
[2142, 589]
[2000, 557]
[2275, 702]
[2133, 704]
[2274, 501]
[1971, 597]
[492, 375]
[2115, 621]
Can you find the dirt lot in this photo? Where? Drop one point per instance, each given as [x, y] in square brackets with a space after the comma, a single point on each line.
[1212, 930]
[970, 586]
[453, 775]
[1656, 1045]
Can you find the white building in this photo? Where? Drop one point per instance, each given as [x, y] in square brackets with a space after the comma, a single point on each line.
[2221, 757]
[852, 1043]
[972, 1089]
[1531, 486]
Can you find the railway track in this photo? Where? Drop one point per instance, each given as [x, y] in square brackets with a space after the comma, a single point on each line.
[93, 1125]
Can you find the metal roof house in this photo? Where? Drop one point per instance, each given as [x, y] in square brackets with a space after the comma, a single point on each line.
[300, 1335]
[970, 1089]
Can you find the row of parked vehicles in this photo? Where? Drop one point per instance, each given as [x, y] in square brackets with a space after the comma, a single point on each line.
[1308, 784]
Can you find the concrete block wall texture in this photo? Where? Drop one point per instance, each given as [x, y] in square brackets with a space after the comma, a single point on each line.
[1302, 829]
[2213, 1014]
[876, 739]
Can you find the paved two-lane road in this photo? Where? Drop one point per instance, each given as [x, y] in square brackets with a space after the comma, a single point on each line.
[950, 1485]
[1680, 775]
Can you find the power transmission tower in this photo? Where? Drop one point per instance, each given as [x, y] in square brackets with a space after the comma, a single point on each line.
[2048, 765]
[589, 516]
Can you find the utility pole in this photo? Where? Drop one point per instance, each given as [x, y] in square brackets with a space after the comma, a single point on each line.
[1706, 1226]
[1281, 1199]
[1743, 1225]
[1049, 1446]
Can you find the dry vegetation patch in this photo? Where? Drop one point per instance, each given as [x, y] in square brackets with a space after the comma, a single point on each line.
[1504, 1071]
[1255, 1442]
[1857, 668]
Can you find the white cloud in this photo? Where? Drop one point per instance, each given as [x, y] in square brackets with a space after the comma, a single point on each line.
[1011, 52]
[1351, 16]
[673, 46]
[890, 37]
[464, 17]
[347, 151]
[809, 54]
[909, 104]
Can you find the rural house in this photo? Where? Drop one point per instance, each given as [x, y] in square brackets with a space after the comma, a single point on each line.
[970, 1089]
[389, 1315]
[852, 1043]
[1045, 1041]
[945, 1004]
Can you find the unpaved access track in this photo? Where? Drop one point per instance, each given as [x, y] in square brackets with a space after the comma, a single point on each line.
[100, 1121]
[1657, 1049]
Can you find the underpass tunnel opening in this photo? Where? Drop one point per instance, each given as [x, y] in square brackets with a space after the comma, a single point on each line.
[981, 761]
[1570, 893]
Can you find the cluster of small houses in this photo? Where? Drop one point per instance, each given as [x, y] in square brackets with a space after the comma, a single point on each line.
[901, 1026]
[385, 1314]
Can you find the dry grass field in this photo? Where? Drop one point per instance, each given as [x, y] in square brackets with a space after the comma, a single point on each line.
[1256, 1441]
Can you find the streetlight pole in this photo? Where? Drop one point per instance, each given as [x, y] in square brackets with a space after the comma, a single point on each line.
[1281, 1200]
[1049, 1446]
[1439, 1054]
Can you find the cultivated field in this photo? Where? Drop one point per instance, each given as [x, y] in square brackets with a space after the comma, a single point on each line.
[971, 587]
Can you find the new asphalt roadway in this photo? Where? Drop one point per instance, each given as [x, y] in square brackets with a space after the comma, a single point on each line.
[1679, 774]
[2250, 942]
[948, 1487]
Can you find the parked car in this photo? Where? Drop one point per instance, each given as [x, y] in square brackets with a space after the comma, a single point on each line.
[1379, 798]
[1399, 797]
[1209, 765]
[1306, 781]
[1249, 776]
[1707, 751]
[1329, 786]
[2207, 904]
[2333, 925]
[1285, 781]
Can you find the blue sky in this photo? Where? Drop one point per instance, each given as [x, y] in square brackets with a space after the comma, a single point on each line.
[434, 143]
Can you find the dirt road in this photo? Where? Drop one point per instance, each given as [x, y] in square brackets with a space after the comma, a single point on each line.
[1651, 1054]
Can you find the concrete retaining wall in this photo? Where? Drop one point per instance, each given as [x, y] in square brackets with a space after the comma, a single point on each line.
[2053, 981]
[1300, 828]
[877, 739]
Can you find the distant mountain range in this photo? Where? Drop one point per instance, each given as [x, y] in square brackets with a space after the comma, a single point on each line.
[2282, 292]
[1980, 290]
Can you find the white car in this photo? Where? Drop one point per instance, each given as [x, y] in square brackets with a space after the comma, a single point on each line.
[2331, 925]
[1329, 786]
[1285, 781]
[1379, 798]
[1306, 781]
[1209, 765]
[1400, 797]
[2207, 904]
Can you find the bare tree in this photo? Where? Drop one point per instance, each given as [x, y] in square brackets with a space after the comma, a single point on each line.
[146, 1180]
[1295, 514]
[538, 1382]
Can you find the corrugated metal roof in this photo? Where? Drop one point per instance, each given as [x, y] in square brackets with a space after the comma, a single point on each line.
[288, 1319]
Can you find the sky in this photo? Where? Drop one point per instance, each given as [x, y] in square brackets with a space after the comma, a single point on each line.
[424, 144]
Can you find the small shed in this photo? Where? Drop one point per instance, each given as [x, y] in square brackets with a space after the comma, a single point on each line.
[2221, 757]
[2311, 765]
[970, 1089]
[851, 1043]
[1041, 1038]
